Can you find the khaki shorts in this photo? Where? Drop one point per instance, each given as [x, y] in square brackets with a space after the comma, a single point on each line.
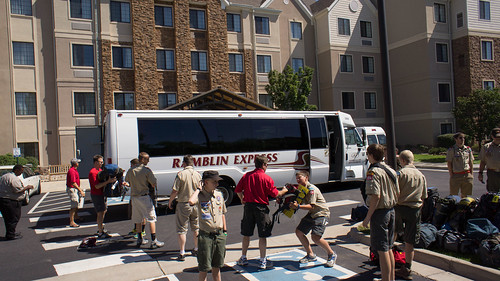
[493, 181]
[185, 215]
[461, 182]
[143, 208]
[74, 196]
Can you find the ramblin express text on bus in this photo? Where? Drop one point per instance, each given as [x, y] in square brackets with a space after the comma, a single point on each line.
[324, 143]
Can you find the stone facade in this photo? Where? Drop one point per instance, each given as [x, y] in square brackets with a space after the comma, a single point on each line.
[468, 68]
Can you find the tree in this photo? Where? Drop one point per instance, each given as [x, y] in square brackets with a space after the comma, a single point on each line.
[289, 90]
[478, 113]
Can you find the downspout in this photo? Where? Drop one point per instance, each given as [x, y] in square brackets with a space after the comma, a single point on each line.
[254, 49]
[97, 45]
[452, 87]
[315, 23]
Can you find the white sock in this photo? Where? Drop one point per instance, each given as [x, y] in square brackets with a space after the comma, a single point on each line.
[262, 258]
[243, 256]
[182, 252]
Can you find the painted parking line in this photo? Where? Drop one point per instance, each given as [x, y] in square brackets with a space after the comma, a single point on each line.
[56, 217]
[62, 228]
[346, 217]
[101, 262]
[341, 203]
[38, 203]
[71, 243]
[286, 265]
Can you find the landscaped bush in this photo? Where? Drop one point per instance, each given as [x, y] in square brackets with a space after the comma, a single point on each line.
[422, 148]
[8, 159]
[437, 150]
[445, 140]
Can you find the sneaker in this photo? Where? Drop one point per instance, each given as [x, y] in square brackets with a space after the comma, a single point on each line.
[142, 241]
[136, 235]
[307, 259]
[404, 273]
[133, 233]
[331, 260]
[156, 244]
[263, 264]
[181, 257]
[104, 235]
[242, 261]
[194, 253]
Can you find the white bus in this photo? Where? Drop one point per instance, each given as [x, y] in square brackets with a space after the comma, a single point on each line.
[326, 144]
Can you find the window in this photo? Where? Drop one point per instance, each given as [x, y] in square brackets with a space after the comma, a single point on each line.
[80, 9]
[488, 84]
[165, 100]
[296, 28]
[165, 59]
[446, 128]
[265, 99]
[20, 7]
[124, 101]
[370, 100]
[213, 136]
[122, 57]
[235, 62]
[28, 149]
[317, 132]
[484, 10]
[199, 61]
[441, 52]
[163, 16]
[234, 22]
[297, 64]
[120, 11]
[344, 27]
[368, 65]
[23, 53]
[83, 55]
[439, 13]
[345, 63]
[262, 25]
[197, 19]
[444, 92]
[263, 64]
[347, 100]
[25, 104]
[366, 29]
[486, 50]
[460, 20]
[84, 103]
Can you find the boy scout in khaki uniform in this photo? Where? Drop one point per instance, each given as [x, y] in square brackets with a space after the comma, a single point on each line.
[212, 219]
[185, 184]
[383, 191]
[490, 158]
[459, 159]
[412, 192]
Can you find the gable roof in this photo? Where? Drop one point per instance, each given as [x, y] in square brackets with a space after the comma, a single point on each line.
[218, 99]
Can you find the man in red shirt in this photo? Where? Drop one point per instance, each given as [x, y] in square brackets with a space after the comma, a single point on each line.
[97, 195]
[253, 190]
[74, 190]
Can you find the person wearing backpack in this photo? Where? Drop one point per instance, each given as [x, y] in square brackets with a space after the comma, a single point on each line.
[460, 163]
[97, 195]
[412, 192]
[490, 158]
[382, 191]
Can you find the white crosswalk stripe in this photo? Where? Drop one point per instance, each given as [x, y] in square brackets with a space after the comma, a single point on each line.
[62, 228]
[56, 217]
[346, 217]
[341, 203]
[101, 262]
[70, 243]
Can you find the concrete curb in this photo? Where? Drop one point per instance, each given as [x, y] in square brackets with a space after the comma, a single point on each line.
[444, 262]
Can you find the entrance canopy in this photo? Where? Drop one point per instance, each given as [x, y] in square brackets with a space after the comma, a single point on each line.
[218, 99]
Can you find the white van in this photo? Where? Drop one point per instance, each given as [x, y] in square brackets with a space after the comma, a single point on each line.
[372, 135]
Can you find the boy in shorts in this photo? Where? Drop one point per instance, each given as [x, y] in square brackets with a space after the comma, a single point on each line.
[315, 220]
[212, 220]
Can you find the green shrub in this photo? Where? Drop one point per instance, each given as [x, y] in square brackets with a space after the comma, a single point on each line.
[8, 159]
[445, 140]
[422, 148]
[437, 150]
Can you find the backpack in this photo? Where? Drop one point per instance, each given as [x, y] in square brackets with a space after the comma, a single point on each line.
[427, 235]
[488, 206]
[112, 189]
[88, 242]
[399, 256]
[463, 212]
[359, 213]
[480, 228]
[389, 173]
[429, 205]
[444, 209]
[489, 250]
[453, 240]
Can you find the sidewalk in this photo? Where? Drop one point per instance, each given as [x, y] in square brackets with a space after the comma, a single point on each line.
[439, 166]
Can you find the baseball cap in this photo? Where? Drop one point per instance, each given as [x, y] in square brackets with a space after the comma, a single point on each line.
[495, 132]
[211, 175]
[75, 160]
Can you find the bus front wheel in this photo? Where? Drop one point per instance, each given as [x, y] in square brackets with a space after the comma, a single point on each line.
[226, 191]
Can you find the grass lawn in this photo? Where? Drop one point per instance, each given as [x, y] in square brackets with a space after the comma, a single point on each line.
[431, 158]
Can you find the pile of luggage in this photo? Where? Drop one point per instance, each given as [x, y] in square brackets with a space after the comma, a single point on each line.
[463, 225]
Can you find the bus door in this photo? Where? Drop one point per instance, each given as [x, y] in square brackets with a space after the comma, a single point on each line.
[318, 148]
[355, 155]
[336, 147]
